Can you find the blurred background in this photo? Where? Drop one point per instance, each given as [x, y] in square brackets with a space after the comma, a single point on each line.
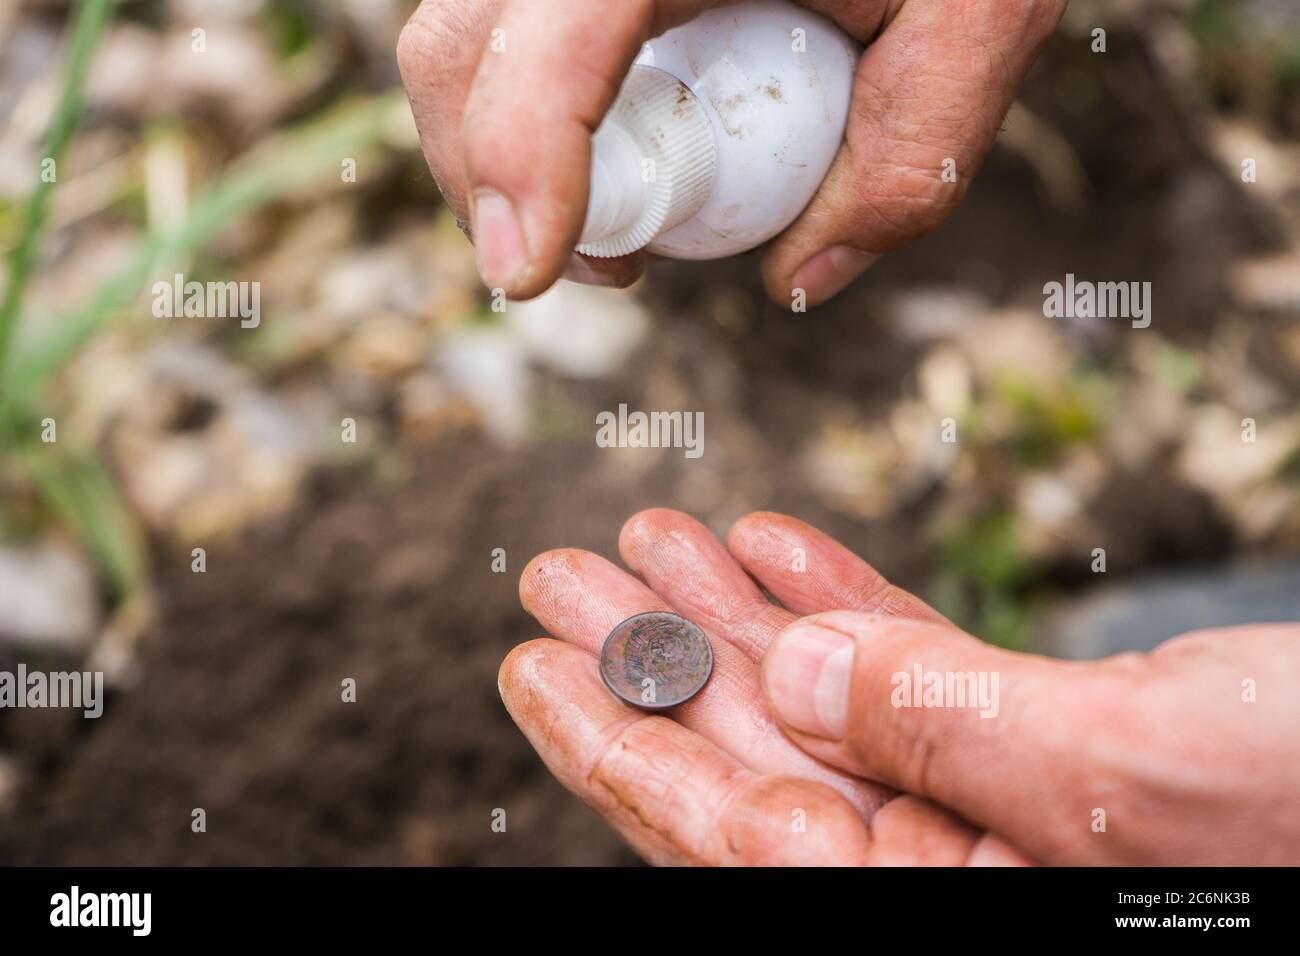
[283, 152]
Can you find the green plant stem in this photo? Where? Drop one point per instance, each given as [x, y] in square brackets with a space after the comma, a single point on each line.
[91, 18]
[78, 488]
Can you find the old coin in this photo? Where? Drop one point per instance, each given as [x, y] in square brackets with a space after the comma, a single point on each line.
[656, 660]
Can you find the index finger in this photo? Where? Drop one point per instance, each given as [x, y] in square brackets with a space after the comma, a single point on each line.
[439, 52]
[675, 797]
[550, 74]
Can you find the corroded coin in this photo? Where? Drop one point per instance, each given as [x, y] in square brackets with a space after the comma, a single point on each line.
[656, 660]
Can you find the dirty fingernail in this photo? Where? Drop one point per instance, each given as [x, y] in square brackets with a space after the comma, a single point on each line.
[830, 270]
[498, 240]
[807, 672]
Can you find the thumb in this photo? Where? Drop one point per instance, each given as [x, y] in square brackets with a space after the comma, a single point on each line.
[926, 708]
[930, 94]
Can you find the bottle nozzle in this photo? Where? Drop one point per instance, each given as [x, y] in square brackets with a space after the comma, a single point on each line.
[652, 164]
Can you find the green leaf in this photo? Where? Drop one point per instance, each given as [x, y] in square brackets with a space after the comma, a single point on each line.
[80, 490]
[90, 20]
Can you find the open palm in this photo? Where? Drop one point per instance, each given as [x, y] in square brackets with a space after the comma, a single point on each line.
[716, 781]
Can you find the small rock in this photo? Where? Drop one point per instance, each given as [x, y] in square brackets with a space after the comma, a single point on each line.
[204, 451]
[853, 469]
[936, 312]
[1017, 342]
[361, 281]
[427, 409]
[580, 331]
[944, 378]
[48, 596]
[1271, 283]
[384, 346]
[488, 366]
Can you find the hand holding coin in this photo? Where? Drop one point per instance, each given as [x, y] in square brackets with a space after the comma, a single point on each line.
[772, 759]
[719, 782]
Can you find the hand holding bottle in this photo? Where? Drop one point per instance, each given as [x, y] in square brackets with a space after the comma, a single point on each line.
[508, 134]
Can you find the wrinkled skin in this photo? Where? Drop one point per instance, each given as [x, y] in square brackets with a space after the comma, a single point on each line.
[507, 134]
[794, 752]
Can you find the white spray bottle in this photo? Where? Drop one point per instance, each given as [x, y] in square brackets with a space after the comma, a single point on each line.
[721, 133]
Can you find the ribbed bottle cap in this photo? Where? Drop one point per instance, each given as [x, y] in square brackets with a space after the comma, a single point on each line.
[652, 163]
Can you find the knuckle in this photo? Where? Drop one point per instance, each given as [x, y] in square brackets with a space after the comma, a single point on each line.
[438, 40]
[866, 591]
[754, 826]
[911, 204]
[1042, 16]
[417, 44]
